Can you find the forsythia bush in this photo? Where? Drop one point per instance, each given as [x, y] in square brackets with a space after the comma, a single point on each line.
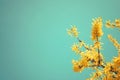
[91, 57]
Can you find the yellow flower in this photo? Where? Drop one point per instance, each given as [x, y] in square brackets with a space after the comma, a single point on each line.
[97, 28]
[81, 44]
[109, 77]
[97, 45]
[84, 61]
[75, 48]
[116, 61]
[96, 58]
[73, 31]
[117, 22]
[96, 75]
[77, 67]
[107, 68]
[108, 24]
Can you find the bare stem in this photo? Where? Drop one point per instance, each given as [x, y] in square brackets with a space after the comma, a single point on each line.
[98, 52]
[98, 46]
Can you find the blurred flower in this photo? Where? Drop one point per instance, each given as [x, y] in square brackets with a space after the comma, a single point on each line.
[97, 45]
[116, 61]
[107, 68]
[117, 22]
[96, 75]
[75, 48]
[81, 44]
[73, 31]
[77, 67]
[108, 24]
[109, 77]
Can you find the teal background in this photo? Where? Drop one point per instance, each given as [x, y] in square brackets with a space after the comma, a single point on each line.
[34, 44]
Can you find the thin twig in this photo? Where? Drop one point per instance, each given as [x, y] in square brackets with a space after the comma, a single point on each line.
[83, 44]
[98, 52]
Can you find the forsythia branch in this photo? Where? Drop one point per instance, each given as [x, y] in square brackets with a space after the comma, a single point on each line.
[92, 57]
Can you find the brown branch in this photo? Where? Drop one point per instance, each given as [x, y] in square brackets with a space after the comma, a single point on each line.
[98, 46]
[98, 52]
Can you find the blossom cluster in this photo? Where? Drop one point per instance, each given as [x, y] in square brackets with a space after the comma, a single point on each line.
[91, 56]
[73, 31]
[97, 28]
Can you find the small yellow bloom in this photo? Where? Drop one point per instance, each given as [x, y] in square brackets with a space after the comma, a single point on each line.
[109, 77]
[116, 61]
[75, 48]
[97, 45]
[96, 75]
[107, 68]
[84, 61]
[108, 24]
[73, 31]
[81, 44]
[77, 67]
[117, 22]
